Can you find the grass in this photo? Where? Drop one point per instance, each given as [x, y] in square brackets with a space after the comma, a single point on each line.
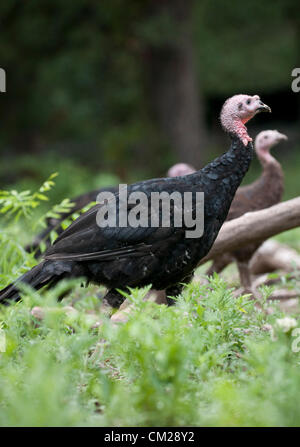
[291, 237]
[202, 362]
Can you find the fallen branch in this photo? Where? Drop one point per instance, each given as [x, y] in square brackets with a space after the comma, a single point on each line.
[256, 227]
[272, 255]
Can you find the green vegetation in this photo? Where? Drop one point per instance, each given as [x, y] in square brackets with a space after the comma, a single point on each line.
[86, 79]
[210, 360]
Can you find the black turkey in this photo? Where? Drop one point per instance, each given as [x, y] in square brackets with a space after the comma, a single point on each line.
[122, 256]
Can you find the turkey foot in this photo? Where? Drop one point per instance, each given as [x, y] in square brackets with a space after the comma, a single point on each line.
[114, 298]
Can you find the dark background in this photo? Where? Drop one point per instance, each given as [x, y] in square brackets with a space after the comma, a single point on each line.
[103, 91]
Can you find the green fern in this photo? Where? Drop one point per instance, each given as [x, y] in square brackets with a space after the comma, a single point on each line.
[17, 204]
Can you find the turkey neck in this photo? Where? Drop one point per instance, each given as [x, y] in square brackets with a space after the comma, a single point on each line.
[233, 164]
[221, 178]
[271, 180]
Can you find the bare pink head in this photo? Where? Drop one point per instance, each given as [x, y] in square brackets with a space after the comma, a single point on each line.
[239, 109]
[180, 169]
[265, 140]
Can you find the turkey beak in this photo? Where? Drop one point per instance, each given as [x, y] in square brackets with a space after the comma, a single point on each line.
[281, 136]
[263, 107]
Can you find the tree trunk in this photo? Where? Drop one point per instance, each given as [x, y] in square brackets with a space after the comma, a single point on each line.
[176, 99]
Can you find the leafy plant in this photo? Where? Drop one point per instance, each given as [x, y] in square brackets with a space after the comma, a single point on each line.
[17, 204]
[210, 360]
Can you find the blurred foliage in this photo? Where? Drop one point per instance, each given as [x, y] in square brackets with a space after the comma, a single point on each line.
[78, 72]
[73, 178]
[291, 237]
[245, 47]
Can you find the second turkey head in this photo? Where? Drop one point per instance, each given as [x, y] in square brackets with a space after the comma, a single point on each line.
[180, 169]
[264, 141]
[267, 139]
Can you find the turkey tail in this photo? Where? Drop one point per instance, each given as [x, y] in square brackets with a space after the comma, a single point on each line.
[37, 277]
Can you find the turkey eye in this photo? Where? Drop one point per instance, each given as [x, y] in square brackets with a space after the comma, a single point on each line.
[248, 101]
